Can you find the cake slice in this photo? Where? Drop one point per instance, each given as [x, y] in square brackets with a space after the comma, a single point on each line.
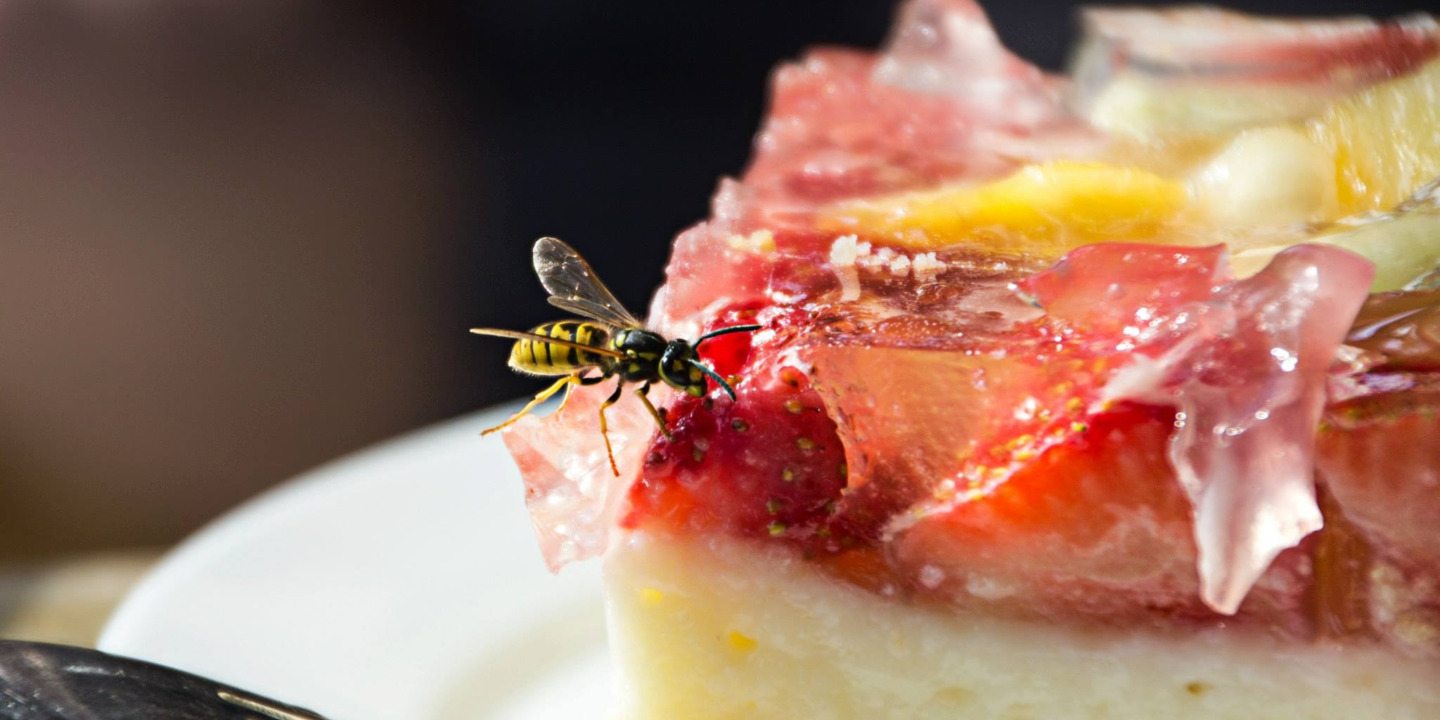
[1111, 397]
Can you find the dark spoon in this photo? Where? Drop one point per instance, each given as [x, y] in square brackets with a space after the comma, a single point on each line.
[58, 682]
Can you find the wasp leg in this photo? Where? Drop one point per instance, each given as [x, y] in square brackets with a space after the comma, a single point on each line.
[604, 429]
[579, 380]
[642, 392]
[542, 396]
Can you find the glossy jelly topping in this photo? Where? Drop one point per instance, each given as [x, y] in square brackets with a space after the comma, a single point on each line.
[1400, 329]
[958, 397]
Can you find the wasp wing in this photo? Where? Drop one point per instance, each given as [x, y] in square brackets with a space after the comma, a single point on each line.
[574, 287]
[595, 311]
[521, 335]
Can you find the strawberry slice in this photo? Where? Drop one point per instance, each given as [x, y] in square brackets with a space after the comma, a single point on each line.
[768, 464]
[1094, 527]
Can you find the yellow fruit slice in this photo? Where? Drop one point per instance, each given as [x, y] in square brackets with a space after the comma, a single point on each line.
[1266, 176]
[1042, 209]
[1404, 247]
[1385, 140]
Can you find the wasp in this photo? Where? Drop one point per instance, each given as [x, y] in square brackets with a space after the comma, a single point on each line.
[611, 343]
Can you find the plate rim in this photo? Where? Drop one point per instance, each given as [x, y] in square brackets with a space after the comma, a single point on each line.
[140, 627]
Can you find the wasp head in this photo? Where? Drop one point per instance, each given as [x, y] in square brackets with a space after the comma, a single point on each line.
[680, 368]
[680, 365]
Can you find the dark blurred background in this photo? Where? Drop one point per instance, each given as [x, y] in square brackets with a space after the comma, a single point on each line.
[239, 238]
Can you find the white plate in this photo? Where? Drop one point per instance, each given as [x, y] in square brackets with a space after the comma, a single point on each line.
[401, 582]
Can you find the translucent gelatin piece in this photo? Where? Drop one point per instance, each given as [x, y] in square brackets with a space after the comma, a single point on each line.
[573, 496]
[1249, 382]
[1206, 71]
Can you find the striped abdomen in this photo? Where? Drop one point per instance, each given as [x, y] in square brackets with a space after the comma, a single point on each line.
[542, 358]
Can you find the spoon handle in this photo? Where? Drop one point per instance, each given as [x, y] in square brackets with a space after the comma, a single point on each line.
[58, 682]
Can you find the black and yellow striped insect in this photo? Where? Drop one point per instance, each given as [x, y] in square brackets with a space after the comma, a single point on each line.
[616, 344]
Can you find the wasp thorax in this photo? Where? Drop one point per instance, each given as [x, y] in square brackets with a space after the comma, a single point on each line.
[639, 342]
[641, 351]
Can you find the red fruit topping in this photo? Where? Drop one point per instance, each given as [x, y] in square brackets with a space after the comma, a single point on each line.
[947, 100]
[1245, 367]
[944, 408]
[768, 464]
[1105, 289]
[1127, 437]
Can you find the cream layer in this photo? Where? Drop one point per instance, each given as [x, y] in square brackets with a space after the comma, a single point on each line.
[711, 628]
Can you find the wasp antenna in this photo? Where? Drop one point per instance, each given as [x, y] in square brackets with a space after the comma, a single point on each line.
[726, 331]
[716, 377]
[1025, 297]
